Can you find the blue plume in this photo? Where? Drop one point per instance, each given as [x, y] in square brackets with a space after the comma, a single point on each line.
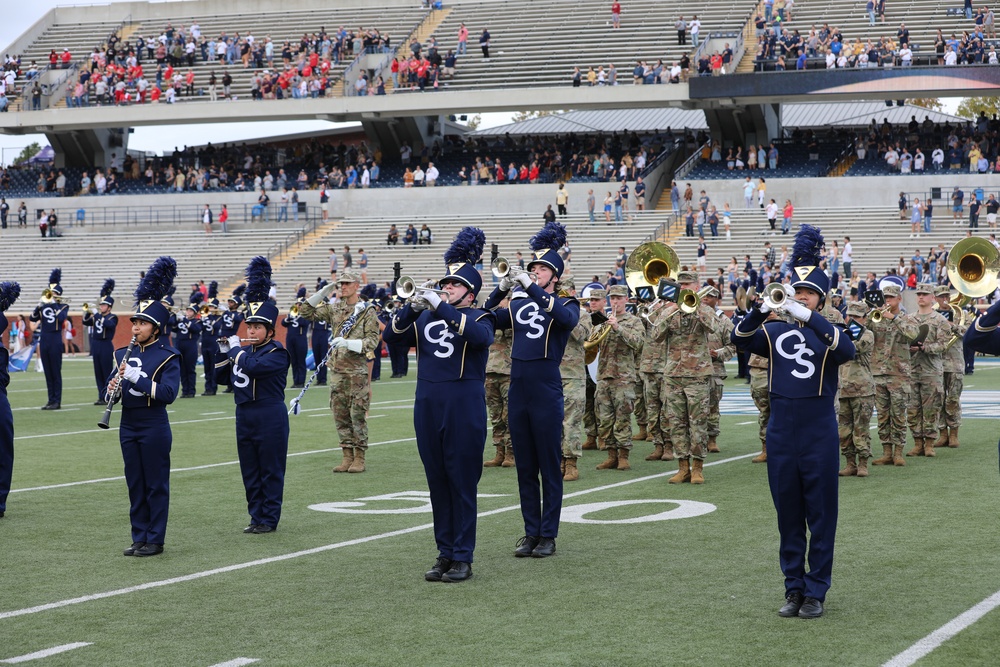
[550, 237]
[321, 284]
[753, 277]
[240, 289]
[108, 287]
[9, 291]
[157, 281]
[170, 292]
[467, 246]
[381, 294]
[301, 294]
[55, 276]
[213, 289]
[808, 246]
[197, 297]
[368, 291]
[258, 275]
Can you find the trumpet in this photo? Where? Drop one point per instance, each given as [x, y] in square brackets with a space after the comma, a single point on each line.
[406, 288]
[689, 300]
[87, 308]
[877, 315]
[48, 296]
[775, 295]
[500, 267]
[294, 310]
[205, 310]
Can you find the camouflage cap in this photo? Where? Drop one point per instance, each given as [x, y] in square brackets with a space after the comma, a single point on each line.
[925, 288]
[891, 290]
[617, 290]
[687, 277]
[857, 309]
[598, 294]
[567, 283]
[348, 277]
[714, 292]
[942, 290]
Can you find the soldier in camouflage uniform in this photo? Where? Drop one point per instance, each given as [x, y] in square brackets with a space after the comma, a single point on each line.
[954, 373]
[616, 381]
[356, 335]
[593, 305]
[689, 377]
[651, 363]
[761, 396]
[890, 364]
[722, 350]
[497, 383]
[640, 411]
[857, 396]
[926, 374]
[573, 369]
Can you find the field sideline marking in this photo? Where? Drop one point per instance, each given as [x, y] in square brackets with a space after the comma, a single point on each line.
[927, 644]
[315, 550]
[237, 662]
[38, 655]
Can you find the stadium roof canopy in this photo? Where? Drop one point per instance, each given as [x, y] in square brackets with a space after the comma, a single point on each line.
[814, 116]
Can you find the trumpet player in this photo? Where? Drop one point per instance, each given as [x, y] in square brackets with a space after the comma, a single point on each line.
[9, 291]
[209, 338]
[52, 315]
[926, 373]
[616, 379]
[954, 371]
[229, 326]
[297, 340]
[857, 395]
[320, 343]
[103, 325]
[188, 331]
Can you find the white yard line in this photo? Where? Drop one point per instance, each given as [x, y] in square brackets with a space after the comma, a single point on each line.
[38, 655]
[236, 662]
[309, 552]
[927, 644]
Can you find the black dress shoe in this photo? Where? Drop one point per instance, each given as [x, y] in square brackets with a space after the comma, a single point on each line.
[459, 572]
[525, 546]
[208, 393]
[1, 514]
[262, 528]
[228, 391]
[132, 549]
[441, 565]
[100, 403]
[546, 547]
[298, 386]
[811, 608]
[51, 406]
[250, 528]
[149, 550]
[793, 602]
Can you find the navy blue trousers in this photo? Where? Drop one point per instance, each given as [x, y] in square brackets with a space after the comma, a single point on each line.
[146, 439]
[189, 365]
[802, 460]
[262, 444]
[50, 350]
[208, 366]
[219, 378]
[377, 362]
[103, 352]
[399, 358]
[321, 345]
[6, 448]
[298, 347]
[535, 417]
[970, 359]
[450, 421]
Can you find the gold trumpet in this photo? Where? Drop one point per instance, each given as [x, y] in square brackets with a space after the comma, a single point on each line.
[48, 296]
[294, 310]
[406, 288]
[205, 310]
[877, 315]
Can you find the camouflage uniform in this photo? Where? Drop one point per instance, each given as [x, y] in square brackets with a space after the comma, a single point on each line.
[724, 350]
[890, 364]
[497, 383]
[573, 369]
[616, 378]
[349, 383]
[590, 411]
[857, 401]
[954, 379]
[927, 380]
[639, 390]
[760, 393]
[689, 376]
[651, 363]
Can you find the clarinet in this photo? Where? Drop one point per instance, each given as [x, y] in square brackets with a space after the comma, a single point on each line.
[106, 419]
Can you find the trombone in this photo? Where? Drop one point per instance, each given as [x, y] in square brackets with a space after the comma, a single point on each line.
[689, 300]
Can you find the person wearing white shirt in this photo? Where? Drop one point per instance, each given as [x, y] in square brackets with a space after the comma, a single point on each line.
[432, 175]
[831, 60]
[906, 55]
[847, 257]
[366, 178]
[195, 30]
[950, 58]
[694, 27]
[992, 56]
[640, 162]
[171, 95]
[918, 161]
[842, 61]
[891, 158]
[937, 158]
[418, 176]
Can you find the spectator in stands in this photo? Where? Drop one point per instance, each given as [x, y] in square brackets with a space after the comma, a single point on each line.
[425, 237]
[431, 177]
[484, 43]
[616, 15]
[463, 39]
[418, 176]
[263, 200]
[410, 236]
[902, 206]
[957, 205]
[772, 157]
[694, 27]
[916, 217]
[974, 207]
[608, 200]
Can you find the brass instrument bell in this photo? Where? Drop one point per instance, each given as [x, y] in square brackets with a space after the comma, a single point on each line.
[650, 262]
[973, 267]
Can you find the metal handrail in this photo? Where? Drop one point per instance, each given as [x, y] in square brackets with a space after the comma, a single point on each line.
[692, 160]
[189, 214]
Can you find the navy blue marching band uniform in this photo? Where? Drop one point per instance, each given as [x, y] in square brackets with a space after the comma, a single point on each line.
[209, 348]
[983, 336]
[802, 440]
[449, 412]
[168, 327]
[227, 326]
[102, 340]
[8, 294]
[188, 330]
[297, 341]
[542, 323]
[52, 316]
[145, 434]
[258, 373]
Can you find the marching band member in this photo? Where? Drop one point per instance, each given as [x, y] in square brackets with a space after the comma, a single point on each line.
[721, 351]
[188, 330]
[165, 333]
[52, 315]
[802, 436]
[954, 372]
[356, 330]
[591, 306]
[857, 395]
[104, 323]
[654, 386]
[150, 381]
[209, 339]
[573, 370]
[258, 373]
[926, 373]
[320, 343]
[449, 415]
[9, 291]
[982, 335]
[542, 323]
[497, 388]
[615, 397]
[227, 327]
[297, 341]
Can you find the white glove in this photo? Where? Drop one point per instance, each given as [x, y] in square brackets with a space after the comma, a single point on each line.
[431, 297]
[417, 304]
[322, 295]
[234, 342]
[353, 345]
[764, 308]
[223, 345]
[524, 278]
[338, 342]
[132, 373]
[797, 310]
[506, 283]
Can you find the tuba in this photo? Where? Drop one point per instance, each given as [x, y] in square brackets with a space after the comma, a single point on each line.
[649, 263]
[973, 267]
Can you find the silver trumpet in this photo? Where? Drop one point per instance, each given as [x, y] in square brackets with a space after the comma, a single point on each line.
[406, 288]
[500, 267]
[775, 295]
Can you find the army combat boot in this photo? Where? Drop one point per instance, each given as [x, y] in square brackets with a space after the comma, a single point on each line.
[611, 462]
[623, 459]
[886, 457]
[862, 466]
[496, 460]
[897, 456]
[345, 465]
[953, 437]
[572, 473]
[762, 457]
[683, 472]
[713, 448]
[942, 440]
[851, 469]
[591, 442]
[918, 447]
[696, 475]
[657, 453]
[668, 452]
[359, 461]
[508, 457]
[643, 433]
[929, 447]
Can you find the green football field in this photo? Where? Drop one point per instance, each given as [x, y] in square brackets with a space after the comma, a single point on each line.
[645, 574]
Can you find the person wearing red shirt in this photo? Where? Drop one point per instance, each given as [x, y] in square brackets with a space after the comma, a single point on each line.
[189, 83]
[223, 218]
[154, 95]
[53, 58]
[616, 14]
[313, 59]
[168, 74]
[533, 173]
[716, 62]
[307, 72]
[66, 58]
[522, 175]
